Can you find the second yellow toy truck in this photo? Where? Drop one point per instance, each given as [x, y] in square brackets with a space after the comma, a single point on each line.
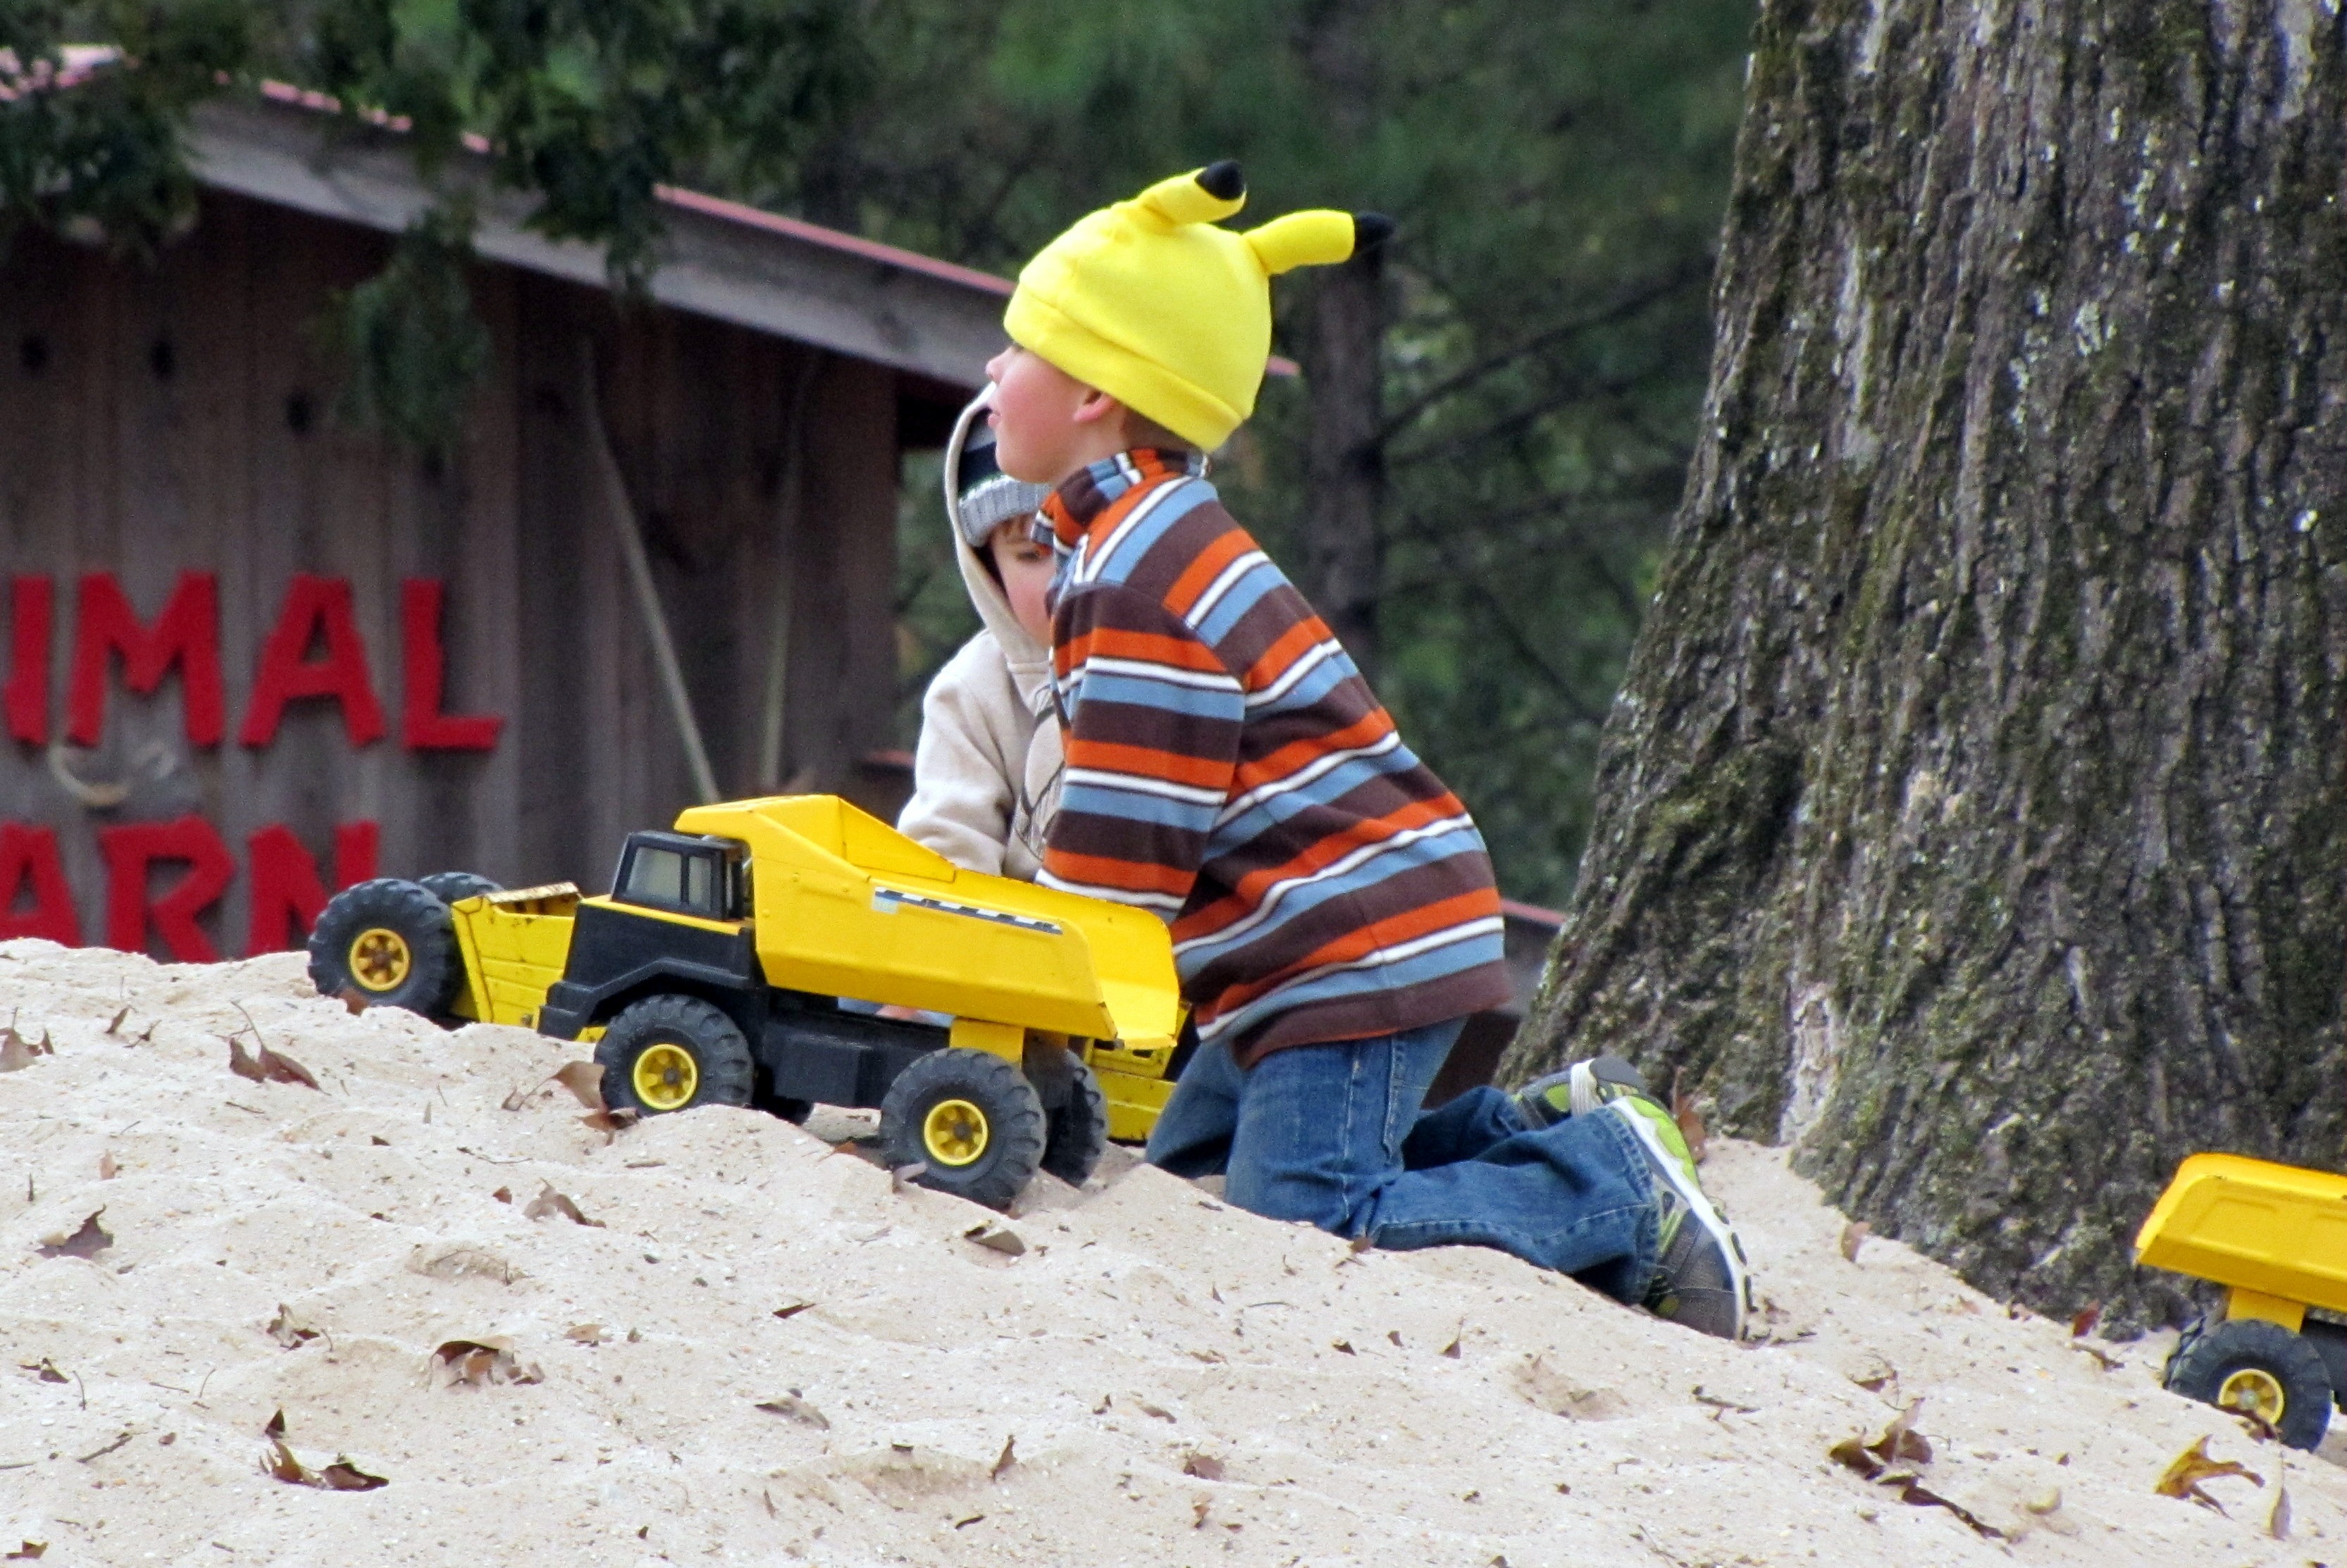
[716, 968]
[2275, 1237]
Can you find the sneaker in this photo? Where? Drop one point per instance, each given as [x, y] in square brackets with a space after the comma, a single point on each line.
[1579, 1089]
[1699, 1272]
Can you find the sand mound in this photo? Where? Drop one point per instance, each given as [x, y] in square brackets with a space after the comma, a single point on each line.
[760, 1352]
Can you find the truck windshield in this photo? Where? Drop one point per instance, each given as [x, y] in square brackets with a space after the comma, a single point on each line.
[672, 878]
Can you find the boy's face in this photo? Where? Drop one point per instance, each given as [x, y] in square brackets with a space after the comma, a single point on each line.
[1026, 569]
[1047, 424]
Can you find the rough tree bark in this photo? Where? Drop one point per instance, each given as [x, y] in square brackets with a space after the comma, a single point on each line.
[1973, 815]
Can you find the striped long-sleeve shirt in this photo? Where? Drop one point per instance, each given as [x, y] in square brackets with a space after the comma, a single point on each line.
[1229, 768]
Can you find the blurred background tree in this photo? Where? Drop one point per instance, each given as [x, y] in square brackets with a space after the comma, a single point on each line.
[1474, 474]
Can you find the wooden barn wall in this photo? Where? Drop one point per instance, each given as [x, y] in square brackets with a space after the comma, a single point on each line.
[171, 418]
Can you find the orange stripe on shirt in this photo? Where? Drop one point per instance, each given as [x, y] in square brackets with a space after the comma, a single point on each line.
[1318, 855]
[1291, 645]
[1273, 767]
[1101, 871]
[1148, 762]
[1480, 904]
[1201, 573]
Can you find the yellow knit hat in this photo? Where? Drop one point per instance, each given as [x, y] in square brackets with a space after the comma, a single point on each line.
[1150, 302]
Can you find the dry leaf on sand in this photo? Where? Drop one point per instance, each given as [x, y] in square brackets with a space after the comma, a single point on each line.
[995, 1238]
[29, 1552]
[2187, 1469]
[46, 1371]
[267, 1066]
[2084, 1323]
[1900, 1443]
[549, 1202]
[611, 1123]
[2277, 1521]
[1205, 1467]
[16, 1052]
[340, 1476]
[480, 1362]
[1690, 1120]
[276, 1427]
[585, 1333]
[585, 1081]
[904, 1176]
[792, 1406]
[88, 1241]
[1009, 1458]
[1853, 1236]
[286, 1331]
[119, 1018]
[794, 1309]
[106, 1167]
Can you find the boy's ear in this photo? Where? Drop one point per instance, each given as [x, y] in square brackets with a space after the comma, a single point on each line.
[1096, 406]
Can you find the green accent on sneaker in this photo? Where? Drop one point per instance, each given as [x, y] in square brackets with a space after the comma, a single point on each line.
[1578, 1090]
[1700, 1277]
[1674, 1142]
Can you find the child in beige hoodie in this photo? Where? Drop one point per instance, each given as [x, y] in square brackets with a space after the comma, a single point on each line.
[987, 769]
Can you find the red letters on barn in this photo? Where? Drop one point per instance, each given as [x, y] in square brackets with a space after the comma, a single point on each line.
[315, 607]
[187, 633]
[29, 863]
[130, 850]
[315, 650]
[422, 727]
[31, 601]
[287, 893]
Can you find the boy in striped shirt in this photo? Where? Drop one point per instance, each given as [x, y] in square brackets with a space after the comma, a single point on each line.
[1333, 909]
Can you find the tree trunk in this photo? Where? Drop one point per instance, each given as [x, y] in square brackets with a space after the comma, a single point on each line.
[1972, 814]
[1344, 371]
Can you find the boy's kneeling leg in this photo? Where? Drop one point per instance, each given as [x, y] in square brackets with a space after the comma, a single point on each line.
[1193, 1135]
[1320, 1127]
[1576, 1197]
[1462, 1128]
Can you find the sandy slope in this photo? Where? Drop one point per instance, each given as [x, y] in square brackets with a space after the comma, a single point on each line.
[1147, 1329]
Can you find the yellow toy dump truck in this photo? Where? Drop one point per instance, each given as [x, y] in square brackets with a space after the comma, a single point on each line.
[727, 964]
[2275, 1237]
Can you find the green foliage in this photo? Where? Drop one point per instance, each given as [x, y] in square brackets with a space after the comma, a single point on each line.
[588, 105]
[1558, 172]
[413, 347]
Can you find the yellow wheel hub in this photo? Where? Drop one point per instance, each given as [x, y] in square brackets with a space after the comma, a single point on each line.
[665, 1076]
[2253, 1391]
[954, 1132]
[380, 958]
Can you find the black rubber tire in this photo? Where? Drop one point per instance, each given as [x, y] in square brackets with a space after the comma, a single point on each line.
[1076, 1131]
[722, 1070]
[1013, 1124]
[451, 886]
[408, 911]
[2211, 1352]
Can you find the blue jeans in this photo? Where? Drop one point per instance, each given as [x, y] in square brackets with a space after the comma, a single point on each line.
[1333, 1134]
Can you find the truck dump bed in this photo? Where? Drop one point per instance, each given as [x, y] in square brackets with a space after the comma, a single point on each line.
[2253, 1225]
[847, 905]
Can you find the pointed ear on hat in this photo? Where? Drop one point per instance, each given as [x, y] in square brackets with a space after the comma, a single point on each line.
[1201, 196]
[1316, 238]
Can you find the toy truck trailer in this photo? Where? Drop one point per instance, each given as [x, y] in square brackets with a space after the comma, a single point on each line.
[714, 972]
[2275, 1237]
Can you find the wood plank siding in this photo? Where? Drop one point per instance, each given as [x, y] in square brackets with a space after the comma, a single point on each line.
[157, 421]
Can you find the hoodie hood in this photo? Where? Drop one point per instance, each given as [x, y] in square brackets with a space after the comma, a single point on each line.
[1030, 660]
